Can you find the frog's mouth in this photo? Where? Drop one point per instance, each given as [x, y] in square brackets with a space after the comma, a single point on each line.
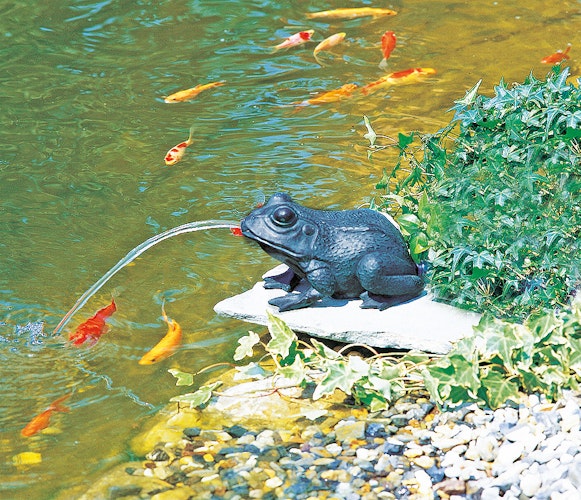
[278, 251]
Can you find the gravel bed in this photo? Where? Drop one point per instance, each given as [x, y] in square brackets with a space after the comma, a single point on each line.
[529, 450]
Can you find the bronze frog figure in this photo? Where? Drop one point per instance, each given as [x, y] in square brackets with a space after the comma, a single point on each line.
[344, 254]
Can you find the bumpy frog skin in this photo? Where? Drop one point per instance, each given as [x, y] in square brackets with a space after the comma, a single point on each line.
[345, 254]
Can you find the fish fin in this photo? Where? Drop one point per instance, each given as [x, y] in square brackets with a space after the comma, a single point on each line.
[383, 64]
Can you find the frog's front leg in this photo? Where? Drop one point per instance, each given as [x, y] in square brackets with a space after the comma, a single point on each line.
[388, 281]
[292, 301]
[286, 281]
[321, 284]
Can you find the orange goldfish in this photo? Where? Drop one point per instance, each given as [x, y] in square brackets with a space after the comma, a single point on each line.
[92, 329]
[404, 76]
[351, 13]
[296, 39]
[236, 231]
[42, 420]
[189, 94]
[331, 96]
[328, 42]
[176, 153]
[557, 57]
[167, 346]
[387, 45]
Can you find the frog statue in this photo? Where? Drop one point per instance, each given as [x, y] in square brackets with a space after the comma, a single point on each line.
[345, 254]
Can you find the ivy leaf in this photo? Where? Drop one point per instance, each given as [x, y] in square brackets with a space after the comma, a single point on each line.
[370, 135]
[295, 373]
[183, 378]
[466, 373]
[498, 388]
[404, 140]
[282, 336]
[251, 371]
[541, 326]
[198, 398]
[246, 344]
[575, 355]
[324, 351]
[370, 398]
[339, 376]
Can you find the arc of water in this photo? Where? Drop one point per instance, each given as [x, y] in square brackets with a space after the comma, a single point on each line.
[189, 227]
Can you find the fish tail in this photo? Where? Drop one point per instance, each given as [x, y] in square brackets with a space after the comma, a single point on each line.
[190, 137]
[58, 406]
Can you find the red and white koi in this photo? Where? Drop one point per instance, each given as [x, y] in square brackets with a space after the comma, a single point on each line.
[296, 39]
[176, 153]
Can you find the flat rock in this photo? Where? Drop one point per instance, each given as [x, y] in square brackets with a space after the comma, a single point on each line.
[420, 324]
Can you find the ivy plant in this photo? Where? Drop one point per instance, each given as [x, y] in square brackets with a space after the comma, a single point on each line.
[493, 200]
[495, 364]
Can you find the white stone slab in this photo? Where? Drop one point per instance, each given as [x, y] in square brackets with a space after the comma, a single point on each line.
[421, 324]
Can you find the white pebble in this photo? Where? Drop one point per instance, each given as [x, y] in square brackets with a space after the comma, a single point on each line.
[273, 482]
[530, 484]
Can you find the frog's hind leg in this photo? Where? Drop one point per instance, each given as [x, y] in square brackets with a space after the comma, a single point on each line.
[385, 287]
[381, 302]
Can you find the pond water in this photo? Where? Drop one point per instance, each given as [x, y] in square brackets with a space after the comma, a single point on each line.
[82, 178]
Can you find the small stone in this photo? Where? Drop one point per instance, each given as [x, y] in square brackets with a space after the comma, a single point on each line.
[192, 432]
[27, 458]
[399, 420]
[128, 490]
[530, 484]
[508, 453]
[245, 439]
[334, 449]
[367, 454]
[413, 452]
[393, 446]
[273, 482]
[339, 475]
[158, 455]
[347, 430]
[236, 431]
[375, 429]
[424, 462]
[487, 448]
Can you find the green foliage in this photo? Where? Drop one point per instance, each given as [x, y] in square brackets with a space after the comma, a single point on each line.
[493, 200]
[373, 382]
[492, 366]
[502, 359]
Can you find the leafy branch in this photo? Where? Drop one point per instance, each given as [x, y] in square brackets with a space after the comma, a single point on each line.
[494, 365]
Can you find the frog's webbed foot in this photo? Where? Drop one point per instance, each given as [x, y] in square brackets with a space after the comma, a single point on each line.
[292, 301]
[381, 302]
[286, 281]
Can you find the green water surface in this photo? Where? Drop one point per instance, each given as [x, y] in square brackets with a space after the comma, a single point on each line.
[82, 179]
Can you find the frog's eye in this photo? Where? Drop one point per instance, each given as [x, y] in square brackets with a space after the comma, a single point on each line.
[284, 216]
